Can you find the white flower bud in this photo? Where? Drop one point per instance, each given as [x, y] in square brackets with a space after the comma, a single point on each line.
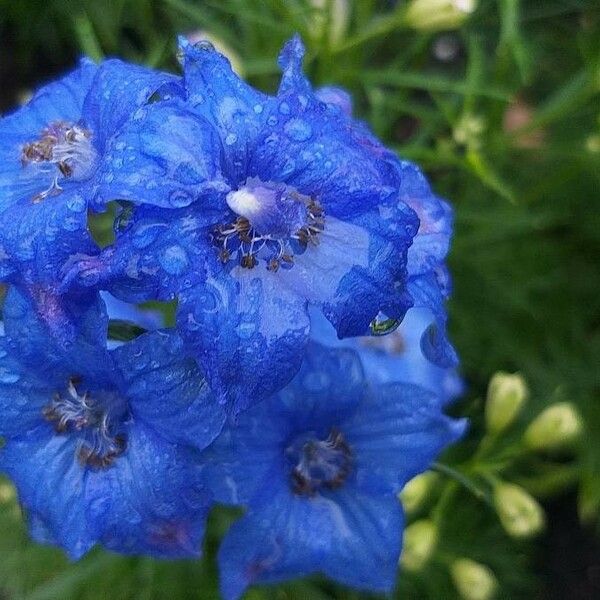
[416, 491]
[557, 426]
[437, 15]
[520, 513]
[505, 398]
[473, 580]
[420, 540]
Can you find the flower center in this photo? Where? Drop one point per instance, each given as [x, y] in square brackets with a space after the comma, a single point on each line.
[274, 223]
[319, 463]
[64, 150]
[96, 420]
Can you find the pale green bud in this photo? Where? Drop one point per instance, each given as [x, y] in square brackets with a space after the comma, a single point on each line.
[473, 580]
[557, 426]
[420, 540]
[520, 513]
[505, 397]
[7, 493]
[416, 491]
[437, 15]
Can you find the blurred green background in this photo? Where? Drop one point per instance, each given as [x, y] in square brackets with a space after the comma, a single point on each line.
[499, 102]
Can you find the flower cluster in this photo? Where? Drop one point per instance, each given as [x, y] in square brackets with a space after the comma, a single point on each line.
[294, 244]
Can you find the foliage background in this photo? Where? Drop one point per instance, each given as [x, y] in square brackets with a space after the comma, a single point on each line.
[524, 259]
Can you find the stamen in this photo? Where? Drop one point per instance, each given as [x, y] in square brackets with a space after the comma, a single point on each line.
[274, 244]
[92, 420]
[320, 463]
[64, 146]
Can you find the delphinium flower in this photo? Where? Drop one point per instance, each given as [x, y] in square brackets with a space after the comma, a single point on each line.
[396, 356]
[250, 208]
[50, 153]
[318, 467]
[101, 445]
[428, 280]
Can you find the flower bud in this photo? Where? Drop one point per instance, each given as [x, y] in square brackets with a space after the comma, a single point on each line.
[505, 397]
[416, 491]
[437, 15]
[557, 426]
[420, 540]
[520, 513]
[473, 580]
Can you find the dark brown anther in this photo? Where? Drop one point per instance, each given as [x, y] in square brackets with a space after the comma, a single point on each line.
[248, 261]
[224, 255]
[273, 265]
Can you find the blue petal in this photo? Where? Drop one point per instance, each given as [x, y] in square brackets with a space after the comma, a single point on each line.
[326, 390]
[23, 391]
[396, 434]
[51, 486]
[124, 311]
[166, 155]
[46, 328]
[166, 390]
[117, 90]
[159, 253]
[36, 240]
[349, 536]
[235, 109]
[150, 500]
[336, 97]
[247, 331]
[61, 100]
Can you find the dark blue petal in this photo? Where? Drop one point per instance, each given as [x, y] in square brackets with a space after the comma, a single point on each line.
[61, 100]
[51, 486]
[166, 155]
[150, 500]
[349, 536]
[117, 90]
[236, 110]
[396, 434]
[247, 331]
[161, 252]
[166, 390]
[427, 292]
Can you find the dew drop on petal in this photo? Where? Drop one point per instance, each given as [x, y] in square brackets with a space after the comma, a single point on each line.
[298, 130]
[231, 139]
[174, 260]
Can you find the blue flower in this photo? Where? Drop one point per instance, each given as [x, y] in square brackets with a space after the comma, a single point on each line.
[252, 208]
[318, 467]
[396, 356]
[51, 152]
[102, 444]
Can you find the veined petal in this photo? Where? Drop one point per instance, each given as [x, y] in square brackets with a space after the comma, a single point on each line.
[165, 155]
[247, 331]
[117, 90]
[396, 434]
[159, 253]
[59, 101]
[150, 500]
[167, 391]
[236, 110]
[51, 486]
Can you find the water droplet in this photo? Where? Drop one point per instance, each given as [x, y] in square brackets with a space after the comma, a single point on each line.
[179, 198]
[8, 377]
[258, 108]
[272, 120]
[204, 45]
[382, 325]
[231, 139]
[298, 130]
[284, 108]
[174, 260]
